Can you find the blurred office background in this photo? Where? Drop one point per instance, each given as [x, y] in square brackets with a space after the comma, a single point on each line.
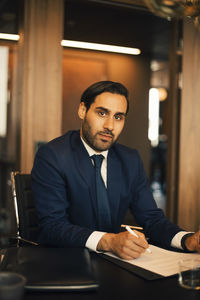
[42, 81]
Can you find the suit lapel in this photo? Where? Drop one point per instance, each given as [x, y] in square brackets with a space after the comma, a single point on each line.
[114, 177]
[85, 167]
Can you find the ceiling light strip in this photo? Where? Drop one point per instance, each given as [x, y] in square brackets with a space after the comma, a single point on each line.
[6, 36]
[100, 47]
[84, 45]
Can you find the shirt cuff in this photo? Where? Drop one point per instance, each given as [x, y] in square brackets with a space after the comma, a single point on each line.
[176, 241]
[93, 240]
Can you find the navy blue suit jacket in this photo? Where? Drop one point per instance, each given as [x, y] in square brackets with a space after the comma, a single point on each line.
[64, 193]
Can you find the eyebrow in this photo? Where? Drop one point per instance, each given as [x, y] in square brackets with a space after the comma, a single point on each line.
[107, 110]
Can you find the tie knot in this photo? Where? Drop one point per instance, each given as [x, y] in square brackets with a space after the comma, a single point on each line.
[97, 160]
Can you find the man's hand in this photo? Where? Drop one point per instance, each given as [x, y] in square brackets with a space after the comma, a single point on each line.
[123, 244]
[192, 243]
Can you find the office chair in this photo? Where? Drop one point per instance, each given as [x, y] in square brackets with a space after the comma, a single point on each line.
[26, 219]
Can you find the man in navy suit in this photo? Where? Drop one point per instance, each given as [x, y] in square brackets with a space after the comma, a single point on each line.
[64, 186]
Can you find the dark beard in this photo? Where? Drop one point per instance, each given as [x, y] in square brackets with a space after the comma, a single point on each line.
[92, 140]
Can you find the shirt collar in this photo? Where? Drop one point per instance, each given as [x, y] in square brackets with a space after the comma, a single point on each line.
[92, 151]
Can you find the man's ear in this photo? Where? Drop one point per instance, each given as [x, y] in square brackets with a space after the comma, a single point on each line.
[82, 110]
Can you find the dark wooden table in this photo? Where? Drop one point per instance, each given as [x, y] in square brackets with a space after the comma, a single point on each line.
[118, 283]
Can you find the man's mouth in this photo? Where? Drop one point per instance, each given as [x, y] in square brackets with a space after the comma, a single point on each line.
[106, 136]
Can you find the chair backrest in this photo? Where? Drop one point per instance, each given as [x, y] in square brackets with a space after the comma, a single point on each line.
[24, 206]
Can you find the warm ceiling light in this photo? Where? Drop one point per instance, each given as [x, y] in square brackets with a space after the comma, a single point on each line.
[7, 36]
[100, 47]
[162, 92]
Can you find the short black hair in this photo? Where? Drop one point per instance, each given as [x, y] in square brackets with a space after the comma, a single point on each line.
[89, 95]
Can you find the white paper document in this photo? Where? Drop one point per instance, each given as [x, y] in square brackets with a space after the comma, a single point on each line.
[160, 261]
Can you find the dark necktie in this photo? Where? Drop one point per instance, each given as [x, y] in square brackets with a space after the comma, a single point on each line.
[104, 217]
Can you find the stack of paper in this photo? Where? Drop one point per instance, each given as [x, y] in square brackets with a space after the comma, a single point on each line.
[160, 261]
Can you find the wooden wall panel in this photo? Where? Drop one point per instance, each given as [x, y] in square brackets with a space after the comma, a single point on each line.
[189, 172]
[41, 75]
[78, 73]
[175, 68]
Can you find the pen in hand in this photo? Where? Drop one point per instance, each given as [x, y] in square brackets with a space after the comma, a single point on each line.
[133, 233]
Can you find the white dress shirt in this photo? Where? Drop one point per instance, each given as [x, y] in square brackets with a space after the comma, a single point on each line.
[95, 237]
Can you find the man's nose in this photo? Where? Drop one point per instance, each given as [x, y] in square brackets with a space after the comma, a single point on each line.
[109, 124]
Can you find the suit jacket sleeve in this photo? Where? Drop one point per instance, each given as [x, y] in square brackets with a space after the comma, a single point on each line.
[156, 226]
[51, 200]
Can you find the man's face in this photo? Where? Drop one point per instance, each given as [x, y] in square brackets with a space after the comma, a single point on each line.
[104, 121]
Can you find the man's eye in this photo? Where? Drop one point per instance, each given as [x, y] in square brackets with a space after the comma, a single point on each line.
[101, 113]
[118, 117]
